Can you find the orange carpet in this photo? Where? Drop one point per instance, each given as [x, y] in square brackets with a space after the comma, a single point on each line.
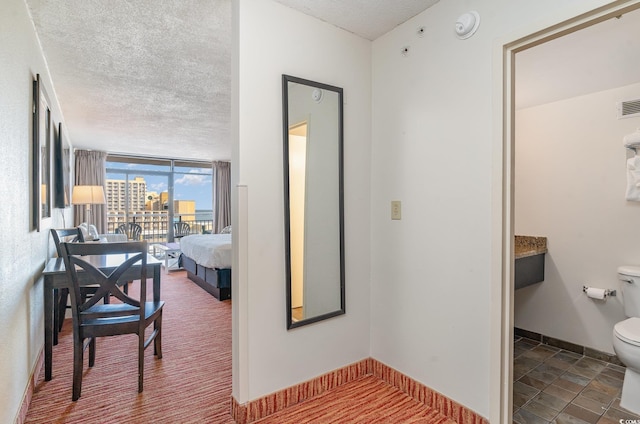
[367, 400]
[192, 381]
[190, 384]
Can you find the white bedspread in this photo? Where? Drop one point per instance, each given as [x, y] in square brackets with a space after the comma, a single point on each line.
[210, 250]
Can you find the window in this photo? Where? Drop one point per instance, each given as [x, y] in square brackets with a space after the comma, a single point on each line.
[156, 193]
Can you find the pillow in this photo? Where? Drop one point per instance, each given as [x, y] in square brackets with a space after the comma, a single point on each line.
[84, 230]
[226, 230]
[93, 232]
[89, 234]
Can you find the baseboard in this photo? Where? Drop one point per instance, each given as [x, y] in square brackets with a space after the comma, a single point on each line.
[572, 347]
[427, 396]
[263, 407]
[270, 404]
[28, 394]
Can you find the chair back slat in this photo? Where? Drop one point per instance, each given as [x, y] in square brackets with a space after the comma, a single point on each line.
[181, 229]
[107, 284]
[81, 262]
[131, 229]
[60, 235]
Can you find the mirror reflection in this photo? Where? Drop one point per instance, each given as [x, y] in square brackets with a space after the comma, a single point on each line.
[314, 241]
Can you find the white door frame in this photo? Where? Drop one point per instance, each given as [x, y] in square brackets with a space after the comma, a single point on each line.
[501, 384]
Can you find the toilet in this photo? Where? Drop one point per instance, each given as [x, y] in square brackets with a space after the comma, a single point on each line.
[626, 337]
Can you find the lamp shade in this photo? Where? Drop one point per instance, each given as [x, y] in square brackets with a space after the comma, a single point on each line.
[88, 195]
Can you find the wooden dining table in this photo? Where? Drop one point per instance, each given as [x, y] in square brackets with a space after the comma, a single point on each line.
[55, 277]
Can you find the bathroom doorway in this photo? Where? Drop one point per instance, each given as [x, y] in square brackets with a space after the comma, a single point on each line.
[570, 176]
[510, 186]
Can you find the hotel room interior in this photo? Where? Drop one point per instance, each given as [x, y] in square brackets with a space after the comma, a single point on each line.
[474, 137]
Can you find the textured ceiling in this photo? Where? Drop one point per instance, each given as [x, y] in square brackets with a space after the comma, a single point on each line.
[153, 77]
[147, 77]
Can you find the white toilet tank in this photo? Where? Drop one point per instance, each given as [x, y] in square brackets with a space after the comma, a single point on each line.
[629, 277]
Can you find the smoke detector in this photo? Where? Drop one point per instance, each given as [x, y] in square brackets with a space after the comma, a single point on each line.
[467, 24]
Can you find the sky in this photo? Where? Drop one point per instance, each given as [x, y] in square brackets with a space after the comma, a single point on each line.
[186, 187]
[189, 183]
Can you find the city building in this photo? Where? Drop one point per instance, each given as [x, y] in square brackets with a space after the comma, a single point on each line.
[148, 209]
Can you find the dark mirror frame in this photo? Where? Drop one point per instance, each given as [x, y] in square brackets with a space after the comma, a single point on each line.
[286, 79]
[35, 158]
[42, 139]
[62, 170]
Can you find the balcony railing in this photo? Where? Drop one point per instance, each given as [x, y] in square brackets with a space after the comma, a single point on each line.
[155, 226]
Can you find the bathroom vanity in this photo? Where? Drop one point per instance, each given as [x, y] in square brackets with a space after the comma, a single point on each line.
[529, 260]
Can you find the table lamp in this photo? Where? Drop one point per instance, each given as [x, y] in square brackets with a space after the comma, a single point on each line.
[88, 195]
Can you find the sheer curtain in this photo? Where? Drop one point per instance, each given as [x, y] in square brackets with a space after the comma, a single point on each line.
[221, 195]
[91, 170]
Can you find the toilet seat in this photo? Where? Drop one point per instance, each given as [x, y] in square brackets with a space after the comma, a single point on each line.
[628, 331]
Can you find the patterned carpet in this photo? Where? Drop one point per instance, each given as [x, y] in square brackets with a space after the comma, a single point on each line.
[367, 400]
[190, 384]
[192, 381]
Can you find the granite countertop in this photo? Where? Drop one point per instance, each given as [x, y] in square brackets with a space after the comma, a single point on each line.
[528, 246]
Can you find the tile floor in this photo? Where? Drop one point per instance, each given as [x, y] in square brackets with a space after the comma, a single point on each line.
[552, 385]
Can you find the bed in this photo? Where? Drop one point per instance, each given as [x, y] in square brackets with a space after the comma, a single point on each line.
[207, 260]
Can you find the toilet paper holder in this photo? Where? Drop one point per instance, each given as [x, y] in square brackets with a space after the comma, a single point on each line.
[607, 292]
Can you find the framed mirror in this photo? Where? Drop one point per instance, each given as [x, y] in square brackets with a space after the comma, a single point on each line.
[42, 137]
[313, 200]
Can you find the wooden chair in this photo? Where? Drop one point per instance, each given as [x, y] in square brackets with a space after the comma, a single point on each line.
[181, 229]
[60, 307]
[91, 320]
[131, 229]
[58, 236]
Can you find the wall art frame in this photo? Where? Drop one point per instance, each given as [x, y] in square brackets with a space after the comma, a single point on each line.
[42, 135]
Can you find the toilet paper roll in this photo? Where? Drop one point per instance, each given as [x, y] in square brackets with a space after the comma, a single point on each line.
[596, 293]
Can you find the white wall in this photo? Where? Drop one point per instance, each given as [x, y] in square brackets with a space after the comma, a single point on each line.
[273, 40]
[426, 312]
[433, 141]
[22, 252]
[570, 187]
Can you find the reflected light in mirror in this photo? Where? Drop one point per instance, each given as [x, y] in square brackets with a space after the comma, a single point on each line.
[297, 167]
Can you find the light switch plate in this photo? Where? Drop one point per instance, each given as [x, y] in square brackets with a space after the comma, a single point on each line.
[396, 210]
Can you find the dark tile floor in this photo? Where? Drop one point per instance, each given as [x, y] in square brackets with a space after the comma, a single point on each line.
[552, 385]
